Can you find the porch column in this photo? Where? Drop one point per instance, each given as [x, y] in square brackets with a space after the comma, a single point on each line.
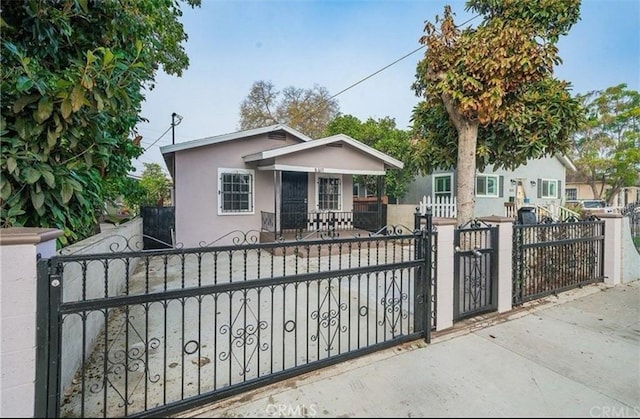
[612, 248]
[21, 248]
[379, 187]
[444, 281]
[504, 260]
[277, 188]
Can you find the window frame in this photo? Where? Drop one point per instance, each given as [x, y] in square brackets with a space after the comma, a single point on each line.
[486, 186]
[340, 191]
[549, 181]
[435, 183]
[230, 171]
[575, 194]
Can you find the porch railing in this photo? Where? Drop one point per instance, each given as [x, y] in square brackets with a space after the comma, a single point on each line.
[364, 217]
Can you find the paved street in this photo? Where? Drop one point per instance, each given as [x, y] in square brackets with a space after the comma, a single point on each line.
[575, 355]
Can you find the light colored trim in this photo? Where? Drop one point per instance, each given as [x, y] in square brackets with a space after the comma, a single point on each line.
[13, 236]
[291, 168]
[281, 151]
[542, 195]
[566, 161]
[329, 176]
[223, 170]
[497, 194]
[433, 184]
[232, 136]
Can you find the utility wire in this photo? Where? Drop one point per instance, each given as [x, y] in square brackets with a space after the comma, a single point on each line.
[159, 138]
[376, 72]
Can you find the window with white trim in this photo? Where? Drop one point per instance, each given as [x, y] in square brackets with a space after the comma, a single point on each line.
[549, 189]
[442, 185]
[329, 193]
[235, 191]
[487, 186]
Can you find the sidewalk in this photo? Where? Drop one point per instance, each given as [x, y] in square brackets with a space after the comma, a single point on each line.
[575, 355]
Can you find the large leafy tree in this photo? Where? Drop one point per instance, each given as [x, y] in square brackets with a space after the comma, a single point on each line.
[607, 146]
[490, 97]
[72, 81]
[383, 135]
[307, 110]
[156, 185]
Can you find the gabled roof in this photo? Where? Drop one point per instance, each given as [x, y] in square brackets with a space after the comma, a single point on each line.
[281, 151]
[232, 136]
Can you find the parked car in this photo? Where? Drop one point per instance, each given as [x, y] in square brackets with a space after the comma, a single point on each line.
[591, 206]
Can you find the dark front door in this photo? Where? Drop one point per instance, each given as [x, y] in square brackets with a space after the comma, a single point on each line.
[294, 200]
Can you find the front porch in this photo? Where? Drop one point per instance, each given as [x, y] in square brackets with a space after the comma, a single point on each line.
[364, 219]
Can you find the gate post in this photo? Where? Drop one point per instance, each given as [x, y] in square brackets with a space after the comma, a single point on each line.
[21, 249]
[612, 248]
[504, 263]
[444, 263]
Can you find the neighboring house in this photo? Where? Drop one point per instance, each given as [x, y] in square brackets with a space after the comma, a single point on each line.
[271, 179]
[579, 189]
[539, 182]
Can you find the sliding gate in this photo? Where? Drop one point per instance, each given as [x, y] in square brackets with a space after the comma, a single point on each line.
[148, 333]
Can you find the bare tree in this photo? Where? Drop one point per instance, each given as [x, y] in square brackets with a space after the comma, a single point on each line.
[307, 110]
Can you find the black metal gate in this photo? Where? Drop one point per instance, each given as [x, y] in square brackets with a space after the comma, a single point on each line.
[148, 333]
[294, 200]
[552, 257]
[158, 225]
[475, 269]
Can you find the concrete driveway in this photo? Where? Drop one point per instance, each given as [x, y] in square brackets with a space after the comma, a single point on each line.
[575, 355]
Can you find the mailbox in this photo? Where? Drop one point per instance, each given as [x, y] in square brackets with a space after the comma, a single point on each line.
[527, 215]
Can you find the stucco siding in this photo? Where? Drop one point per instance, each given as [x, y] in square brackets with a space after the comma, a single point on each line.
[549, 168]
[197, 218]
[329, 157]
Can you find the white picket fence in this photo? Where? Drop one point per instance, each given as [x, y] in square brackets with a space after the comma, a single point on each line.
[441, 206]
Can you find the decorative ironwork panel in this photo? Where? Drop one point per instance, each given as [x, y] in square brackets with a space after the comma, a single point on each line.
[154, 333]
[554, 257]
[475, 269]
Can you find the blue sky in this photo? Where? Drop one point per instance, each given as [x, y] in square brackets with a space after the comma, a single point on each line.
[337, 43]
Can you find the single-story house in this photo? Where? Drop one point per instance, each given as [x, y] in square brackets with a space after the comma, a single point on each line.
[539, 182]
[271, 179]
[578, 189]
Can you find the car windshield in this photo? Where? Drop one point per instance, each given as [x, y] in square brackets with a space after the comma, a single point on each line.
[594, 204]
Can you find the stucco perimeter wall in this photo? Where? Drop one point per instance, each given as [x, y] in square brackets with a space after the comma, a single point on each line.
[630, 256]
[401, 214]
[196, 180]
[124, 238]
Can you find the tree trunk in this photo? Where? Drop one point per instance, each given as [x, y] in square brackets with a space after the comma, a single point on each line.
[466, 165]
[466, 171]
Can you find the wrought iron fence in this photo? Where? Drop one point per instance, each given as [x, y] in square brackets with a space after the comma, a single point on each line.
[191, 326]
[554, 257]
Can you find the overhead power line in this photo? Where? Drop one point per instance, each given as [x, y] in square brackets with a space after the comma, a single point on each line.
[376, 72]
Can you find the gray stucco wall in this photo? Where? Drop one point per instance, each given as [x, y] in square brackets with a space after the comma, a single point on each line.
[545, 168]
